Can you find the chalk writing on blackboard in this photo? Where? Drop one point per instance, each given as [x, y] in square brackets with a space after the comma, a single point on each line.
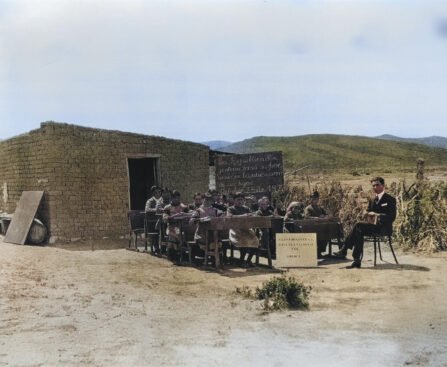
[256, 172]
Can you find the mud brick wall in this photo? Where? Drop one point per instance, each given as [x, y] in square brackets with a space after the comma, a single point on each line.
[23, 167]
[83, 172]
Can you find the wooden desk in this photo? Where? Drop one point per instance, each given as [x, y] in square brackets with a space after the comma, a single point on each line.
[225, 223]
[326, 229]
[182, 222]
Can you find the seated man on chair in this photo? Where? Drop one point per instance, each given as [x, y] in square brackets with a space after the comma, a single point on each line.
[380, 216]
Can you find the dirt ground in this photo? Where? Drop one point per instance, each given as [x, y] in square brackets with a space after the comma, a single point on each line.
[60, 307]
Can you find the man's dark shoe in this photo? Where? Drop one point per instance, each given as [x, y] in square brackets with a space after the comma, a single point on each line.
[341, 254]
[355, 265]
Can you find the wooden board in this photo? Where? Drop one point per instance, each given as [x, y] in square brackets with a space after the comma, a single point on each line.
[326, 229]
[296, 250]
[250, 173]
[23, 217]
[224, 223]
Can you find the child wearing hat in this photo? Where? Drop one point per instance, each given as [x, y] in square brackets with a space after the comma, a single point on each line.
[313, 210]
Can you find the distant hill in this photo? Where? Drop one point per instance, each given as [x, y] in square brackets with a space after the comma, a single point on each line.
[216, 144]
[432, 141]
[343, 152]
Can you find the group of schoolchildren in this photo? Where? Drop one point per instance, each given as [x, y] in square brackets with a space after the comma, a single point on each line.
[213, 204]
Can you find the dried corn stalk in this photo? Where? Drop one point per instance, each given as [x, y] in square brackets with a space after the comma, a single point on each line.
[421, 222]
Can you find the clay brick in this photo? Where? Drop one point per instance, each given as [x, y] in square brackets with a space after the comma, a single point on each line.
[84, 174]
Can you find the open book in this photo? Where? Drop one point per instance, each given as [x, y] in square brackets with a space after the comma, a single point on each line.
[373, 217]
[204, 219]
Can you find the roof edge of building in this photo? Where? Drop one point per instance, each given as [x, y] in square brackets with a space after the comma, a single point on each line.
[45, 124]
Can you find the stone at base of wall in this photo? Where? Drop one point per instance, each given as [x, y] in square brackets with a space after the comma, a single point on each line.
[52, 240]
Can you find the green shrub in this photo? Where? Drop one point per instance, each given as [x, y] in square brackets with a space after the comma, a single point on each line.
[280, 293]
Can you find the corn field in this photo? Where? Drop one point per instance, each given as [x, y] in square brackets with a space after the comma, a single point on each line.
[421, 222]
[422, 216]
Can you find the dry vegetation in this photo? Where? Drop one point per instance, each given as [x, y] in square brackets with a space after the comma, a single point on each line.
[421, 208]
[422, 215]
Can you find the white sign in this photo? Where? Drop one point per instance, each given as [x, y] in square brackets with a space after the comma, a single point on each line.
[296, 250]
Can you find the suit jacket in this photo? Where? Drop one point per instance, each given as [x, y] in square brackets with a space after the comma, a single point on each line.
[387, 206]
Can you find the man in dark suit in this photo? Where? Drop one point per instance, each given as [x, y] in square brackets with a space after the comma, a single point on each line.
[380, 218]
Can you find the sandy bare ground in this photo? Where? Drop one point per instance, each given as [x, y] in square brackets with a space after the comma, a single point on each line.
[120, 308]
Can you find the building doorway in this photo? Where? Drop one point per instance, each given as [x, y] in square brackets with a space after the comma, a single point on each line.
[143, 174]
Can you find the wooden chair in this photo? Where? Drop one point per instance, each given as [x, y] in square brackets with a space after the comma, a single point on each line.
[264, 248]
[163, 237]
[152, 231]
[226, 245]
[210, 252]
[136, 221]
[387, 237]
[188, 244]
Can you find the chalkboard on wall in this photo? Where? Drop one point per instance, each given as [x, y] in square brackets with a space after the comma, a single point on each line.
[250, 173]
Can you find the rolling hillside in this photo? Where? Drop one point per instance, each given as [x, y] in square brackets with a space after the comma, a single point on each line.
[216, 144]
[433, 141]
[343, 152]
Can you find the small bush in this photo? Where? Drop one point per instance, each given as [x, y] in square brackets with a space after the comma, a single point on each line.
[280, 293]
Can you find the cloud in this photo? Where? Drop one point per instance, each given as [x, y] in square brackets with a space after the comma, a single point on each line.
[236, 69]
[441, 27]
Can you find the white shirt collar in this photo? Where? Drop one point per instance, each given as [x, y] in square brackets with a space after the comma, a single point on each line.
[379, 196]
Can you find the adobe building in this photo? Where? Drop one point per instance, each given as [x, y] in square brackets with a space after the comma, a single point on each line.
[92, 177]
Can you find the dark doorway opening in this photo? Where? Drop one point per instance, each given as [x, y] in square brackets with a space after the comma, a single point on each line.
[143, 174]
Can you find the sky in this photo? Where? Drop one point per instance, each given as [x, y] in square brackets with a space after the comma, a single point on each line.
[225, 70]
